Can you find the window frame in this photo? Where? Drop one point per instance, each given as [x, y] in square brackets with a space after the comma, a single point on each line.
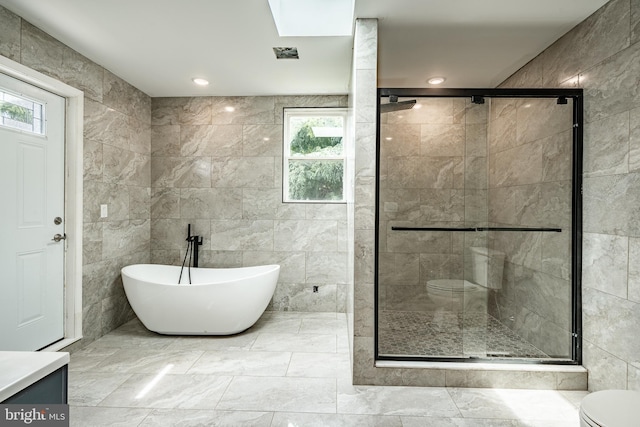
[42, 132]
[290, 112]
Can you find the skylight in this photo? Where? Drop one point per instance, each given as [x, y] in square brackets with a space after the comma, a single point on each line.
[313, 18]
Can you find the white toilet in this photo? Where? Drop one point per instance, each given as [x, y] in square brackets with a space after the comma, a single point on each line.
[462, 295]
[610, 408]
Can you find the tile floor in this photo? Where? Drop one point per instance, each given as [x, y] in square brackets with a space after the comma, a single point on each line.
[450, 334]
[290, 369]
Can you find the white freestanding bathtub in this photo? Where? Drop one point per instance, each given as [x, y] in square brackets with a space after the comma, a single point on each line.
[220, 301]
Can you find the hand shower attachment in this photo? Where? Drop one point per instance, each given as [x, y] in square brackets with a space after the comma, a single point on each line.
[192, 252]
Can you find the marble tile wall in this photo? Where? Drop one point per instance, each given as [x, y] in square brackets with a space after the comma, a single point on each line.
[220, 171]
[530, 164]
[601, 55]
[117, 165]
[363, 100]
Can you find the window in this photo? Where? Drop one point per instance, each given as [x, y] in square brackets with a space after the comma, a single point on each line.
[20, 113]
[314, 155]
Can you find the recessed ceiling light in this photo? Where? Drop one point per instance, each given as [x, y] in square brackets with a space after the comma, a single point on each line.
[200, 82]
[229, 109]
[436, 80]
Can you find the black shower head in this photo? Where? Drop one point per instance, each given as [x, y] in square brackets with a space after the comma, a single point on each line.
[394, 105]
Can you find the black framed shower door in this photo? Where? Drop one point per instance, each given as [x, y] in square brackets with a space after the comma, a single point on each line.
[479, 225]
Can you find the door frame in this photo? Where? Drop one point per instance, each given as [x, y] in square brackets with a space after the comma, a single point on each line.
[74, 121]
[477, 96]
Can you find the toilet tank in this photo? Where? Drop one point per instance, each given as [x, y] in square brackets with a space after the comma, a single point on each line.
[487, 266]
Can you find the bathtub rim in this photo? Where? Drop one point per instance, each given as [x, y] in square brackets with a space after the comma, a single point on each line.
[260, 270]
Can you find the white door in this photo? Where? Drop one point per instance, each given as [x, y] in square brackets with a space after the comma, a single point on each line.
[31, 214]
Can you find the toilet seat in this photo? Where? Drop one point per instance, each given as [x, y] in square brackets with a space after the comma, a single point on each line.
[452, 286]
[611, 408]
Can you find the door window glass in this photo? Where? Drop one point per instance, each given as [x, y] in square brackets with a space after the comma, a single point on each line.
[21, 113]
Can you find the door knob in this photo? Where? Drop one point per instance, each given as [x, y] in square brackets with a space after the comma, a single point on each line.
[59, 237]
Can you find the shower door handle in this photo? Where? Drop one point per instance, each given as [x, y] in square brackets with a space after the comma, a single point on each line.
[474, 229]
[58, 237]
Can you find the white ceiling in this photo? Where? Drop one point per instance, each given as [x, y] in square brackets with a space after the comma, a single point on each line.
[159, 45]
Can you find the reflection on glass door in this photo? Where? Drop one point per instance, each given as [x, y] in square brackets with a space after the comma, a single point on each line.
[475, 228]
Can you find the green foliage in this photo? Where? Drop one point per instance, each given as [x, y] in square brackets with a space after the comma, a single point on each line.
[315, 179]
[16, 112]
[305, 142]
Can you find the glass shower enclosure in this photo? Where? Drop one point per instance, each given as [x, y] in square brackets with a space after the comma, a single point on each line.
[478, 227]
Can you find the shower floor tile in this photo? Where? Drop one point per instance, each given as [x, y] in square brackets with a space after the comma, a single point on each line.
[450, 334]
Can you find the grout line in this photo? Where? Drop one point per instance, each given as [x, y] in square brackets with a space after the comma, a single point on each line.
[202, 352]
[226, 389]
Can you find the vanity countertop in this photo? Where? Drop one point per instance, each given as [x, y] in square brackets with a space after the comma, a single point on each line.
[20, 369]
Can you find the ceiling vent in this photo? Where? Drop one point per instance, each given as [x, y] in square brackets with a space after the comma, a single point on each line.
[286, 52]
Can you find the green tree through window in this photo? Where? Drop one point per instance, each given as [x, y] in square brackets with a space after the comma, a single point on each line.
[16, 112]
[305, 141]
[314, 168]
[315, 180]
